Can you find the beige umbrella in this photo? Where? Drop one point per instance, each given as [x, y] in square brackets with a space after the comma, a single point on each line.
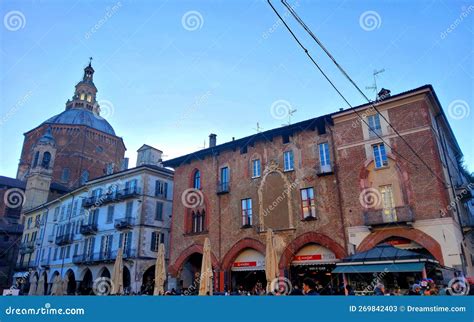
[271, 268]
[57, 287]
[33, 285]
[64, 284]
[117, 275]
[206, 277]
[40, 288]
[160, 271]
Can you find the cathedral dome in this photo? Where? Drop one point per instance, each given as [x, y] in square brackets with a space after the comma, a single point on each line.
[76, 116]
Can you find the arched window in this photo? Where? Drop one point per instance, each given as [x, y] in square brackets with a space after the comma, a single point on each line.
[65, 175]
[35, 160]
[197, 180]
[198, 221]
[46, 160]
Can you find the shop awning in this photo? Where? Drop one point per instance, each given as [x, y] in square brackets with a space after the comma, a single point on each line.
[21, 274]
[376, 268]
[314, 255]
[249, 260]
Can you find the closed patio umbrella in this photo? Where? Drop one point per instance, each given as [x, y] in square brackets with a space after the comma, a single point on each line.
[160, 271]
[57, 287]
[33, 285]
[117, 275]
[271, 268]
[64, 284]
[206, 277]
[40, 287]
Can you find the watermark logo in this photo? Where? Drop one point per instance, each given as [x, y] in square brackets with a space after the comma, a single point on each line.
[281, 285]
[458, 109]
[370, 20]
[14, 198]
[458, 286]
[104, 109]
[192, 20]
[14, 20]
[370, 198]
[280, 109]
[192, 198]
[102, 286]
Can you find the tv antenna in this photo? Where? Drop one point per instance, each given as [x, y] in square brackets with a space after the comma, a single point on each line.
[290, 114]
[258, 128]
[374, 85]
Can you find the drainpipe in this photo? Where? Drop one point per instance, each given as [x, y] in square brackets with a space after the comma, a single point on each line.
[339, 194]
[443, 148]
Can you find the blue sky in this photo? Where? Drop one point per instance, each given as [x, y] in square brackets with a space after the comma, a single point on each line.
[169, 83]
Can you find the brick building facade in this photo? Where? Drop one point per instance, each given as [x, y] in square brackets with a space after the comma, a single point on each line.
[329, 187]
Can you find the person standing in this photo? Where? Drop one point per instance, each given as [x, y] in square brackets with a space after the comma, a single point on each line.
[309, 287]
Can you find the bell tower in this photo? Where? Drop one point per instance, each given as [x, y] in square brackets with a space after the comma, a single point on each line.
[38, 180]
[85, 92]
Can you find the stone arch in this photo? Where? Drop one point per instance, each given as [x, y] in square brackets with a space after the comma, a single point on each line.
[428, 242]
[235, 250]
[310, 238]
[195, 248]
[84, 272]
[104, 272]
[271, 169]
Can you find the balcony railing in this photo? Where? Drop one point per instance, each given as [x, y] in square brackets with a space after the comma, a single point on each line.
[223, 187]
[381, 217]
[124, 223]
[27, 247]
[322, 170]
[64, 239]
[108, 197]
[88, 229]
[103, 257]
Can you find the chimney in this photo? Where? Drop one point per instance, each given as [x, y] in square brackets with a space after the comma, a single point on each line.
[212, 140]
[383, 94]
[148, 155]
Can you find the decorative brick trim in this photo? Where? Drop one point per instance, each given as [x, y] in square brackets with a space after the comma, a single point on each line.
[195, 248]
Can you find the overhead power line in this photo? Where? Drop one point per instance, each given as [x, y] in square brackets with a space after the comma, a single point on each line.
[332, 84]
[308, 30]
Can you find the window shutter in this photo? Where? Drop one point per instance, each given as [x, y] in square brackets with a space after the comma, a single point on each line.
[153, 241]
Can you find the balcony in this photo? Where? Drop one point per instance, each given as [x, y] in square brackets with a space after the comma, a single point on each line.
[324, 170]
[128, 193]
[88, 229]
[64, 239]
[222, 188]
[399, 215]
[102, 257]
[27, 247]
[124, 223]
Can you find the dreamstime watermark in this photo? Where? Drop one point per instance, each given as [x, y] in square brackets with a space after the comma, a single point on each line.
[198, 102]
[103, 109]
[377, 277]
[370, 198]
[281, 286]
[45, 310]
[465, 12]
[102, 286]
[370, 20]
[192, 20]
[278, 22]
[192, 198]
[459, 196]
[14, 20]
[458, 109]
[458, 286]
[280, 198]
[22, 101]
[14, 198]
[109, 13]
[280, 109]
[194, 287]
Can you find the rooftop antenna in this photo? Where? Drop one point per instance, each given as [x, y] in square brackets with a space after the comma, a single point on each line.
[258, 128]
[290, 114]
[374, 86]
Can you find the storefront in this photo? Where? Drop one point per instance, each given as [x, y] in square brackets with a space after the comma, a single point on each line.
[316, 262]
[394, 267]
[248, 271]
